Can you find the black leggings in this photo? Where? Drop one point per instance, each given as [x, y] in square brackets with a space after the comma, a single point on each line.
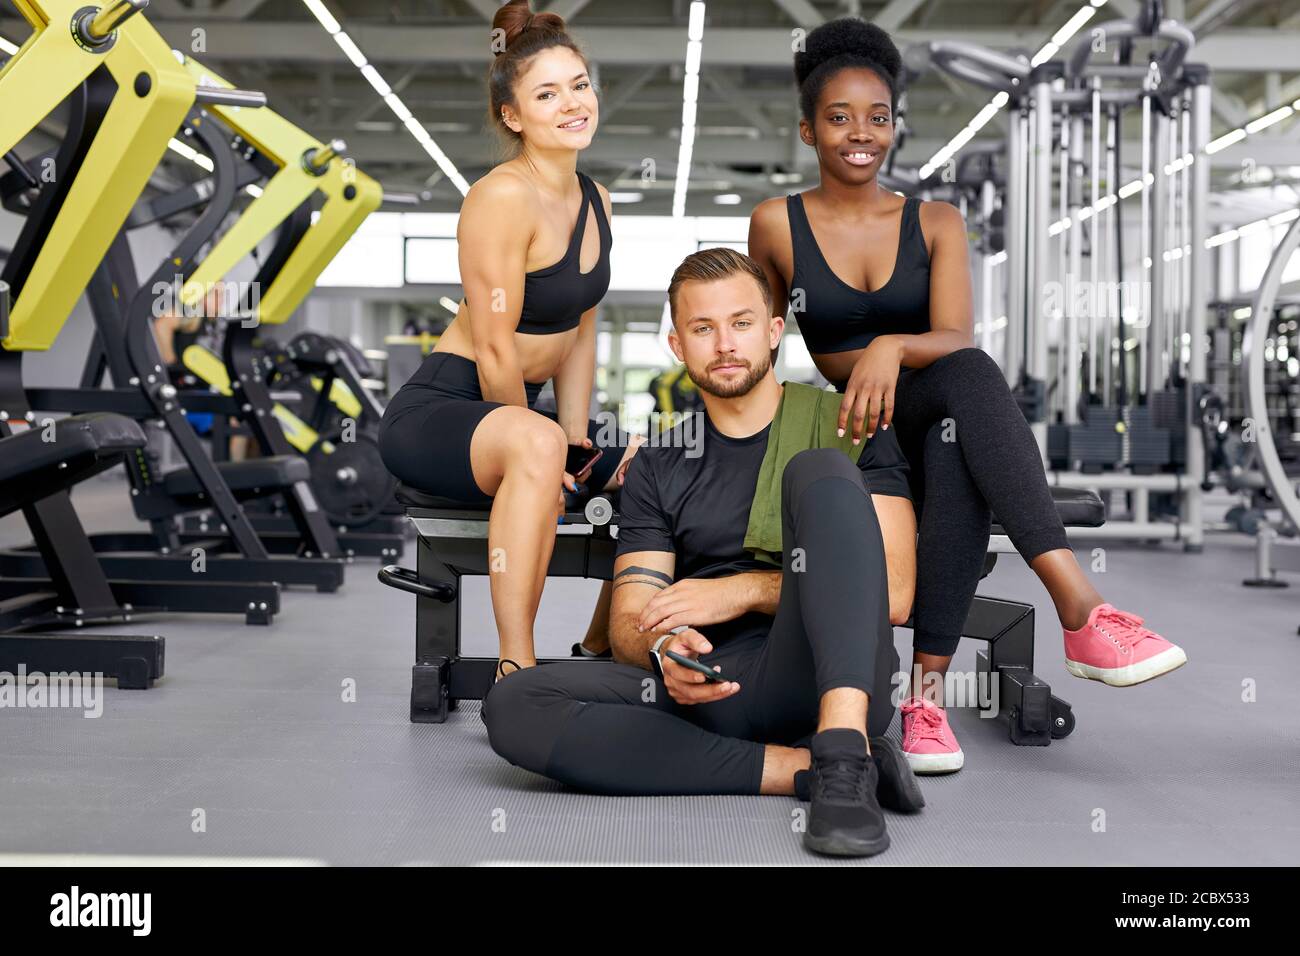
[613, 729]
[985, 459]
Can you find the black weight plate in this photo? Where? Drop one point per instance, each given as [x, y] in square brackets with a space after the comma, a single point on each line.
[349, 479]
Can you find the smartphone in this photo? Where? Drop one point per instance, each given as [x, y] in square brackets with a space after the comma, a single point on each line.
[580, 458]
[709, 673]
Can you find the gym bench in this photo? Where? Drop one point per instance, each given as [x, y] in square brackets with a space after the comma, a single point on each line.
[452, 542]
[35, 476]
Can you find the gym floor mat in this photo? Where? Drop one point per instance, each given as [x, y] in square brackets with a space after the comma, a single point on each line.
[251, 727]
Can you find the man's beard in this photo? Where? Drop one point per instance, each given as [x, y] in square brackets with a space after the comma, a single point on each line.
[732, 388]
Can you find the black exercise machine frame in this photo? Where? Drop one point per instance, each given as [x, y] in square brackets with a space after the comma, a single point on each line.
[252, 392]
[305, 529]
[62, 560]
[248, 581]
[170, 405]
[77, 592]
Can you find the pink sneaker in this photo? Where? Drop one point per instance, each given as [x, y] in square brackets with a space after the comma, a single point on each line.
[928, 742]
[1114, 648]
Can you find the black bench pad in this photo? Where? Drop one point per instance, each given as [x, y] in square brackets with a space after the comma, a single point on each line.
[1078, 507]
[274, 471]
[32, 468]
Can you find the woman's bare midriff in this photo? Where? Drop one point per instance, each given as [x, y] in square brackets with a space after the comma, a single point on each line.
[539, 355]
[837, 366]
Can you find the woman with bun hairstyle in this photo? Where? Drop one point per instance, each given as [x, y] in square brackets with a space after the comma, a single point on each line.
[534, 241]
[881, 288]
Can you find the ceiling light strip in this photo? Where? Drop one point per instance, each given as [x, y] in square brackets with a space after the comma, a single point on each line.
[391, 99]
[690, 102]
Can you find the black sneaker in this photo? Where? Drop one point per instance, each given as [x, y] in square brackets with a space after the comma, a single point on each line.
[845, 819]
[579, 651]
[897, 788]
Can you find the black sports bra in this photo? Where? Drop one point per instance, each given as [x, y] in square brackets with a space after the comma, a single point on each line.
[836, 317]
[556, 297]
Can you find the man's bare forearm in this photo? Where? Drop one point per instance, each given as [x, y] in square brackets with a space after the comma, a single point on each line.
[752, 591]
[629, 645]
[764, 590]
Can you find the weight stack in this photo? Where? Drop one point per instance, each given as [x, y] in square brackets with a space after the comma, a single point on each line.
[1031, 396]
[1058, 447]
[1168, 412]
[1096, 445]
[1148, 445]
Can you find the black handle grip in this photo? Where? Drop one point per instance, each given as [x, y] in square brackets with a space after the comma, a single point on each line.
[404, 579]
[22, 169]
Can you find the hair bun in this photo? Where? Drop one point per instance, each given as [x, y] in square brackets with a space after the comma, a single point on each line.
[851, 36]
[515, 19]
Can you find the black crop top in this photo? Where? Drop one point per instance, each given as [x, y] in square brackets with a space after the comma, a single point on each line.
[835, 316]
[556, 297]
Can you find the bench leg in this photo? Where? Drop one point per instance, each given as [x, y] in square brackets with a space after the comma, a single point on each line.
[437, 639]
[1033, 714]
[431, 691]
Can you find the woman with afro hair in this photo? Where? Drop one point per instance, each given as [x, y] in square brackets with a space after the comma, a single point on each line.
[880, 286]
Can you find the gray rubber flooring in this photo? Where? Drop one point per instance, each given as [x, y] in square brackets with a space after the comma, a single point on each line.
[250, 734]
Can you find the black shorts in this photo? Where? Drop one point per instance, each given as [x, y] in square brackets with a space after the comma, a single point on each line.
[427, 428]
[885, 468]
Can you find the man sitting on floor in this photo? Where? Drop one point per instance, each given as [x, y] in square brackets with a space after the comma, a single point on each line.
[804, 655]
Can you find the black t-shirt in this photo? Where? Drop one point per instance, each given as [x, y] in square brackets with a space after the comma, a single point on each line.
[695, 503]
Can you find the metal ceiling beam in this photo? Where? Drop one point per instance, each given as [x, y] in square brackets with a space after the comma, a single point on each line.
[1216, 12]
[236, 9]
[801, 12]
[1263, 150]
[1241, 50]
[1229, 108]
[1246, 50]
[746, 107]
[487, 9]
[895, 14]
[619, 96]
[302, 41]
[374, 104]
[1272, 88]
[170, 8]
[571, 9]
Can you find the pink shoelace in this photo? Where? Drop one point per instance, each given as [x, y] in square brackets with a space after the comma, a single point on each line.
[927, 721]
[1124, 628]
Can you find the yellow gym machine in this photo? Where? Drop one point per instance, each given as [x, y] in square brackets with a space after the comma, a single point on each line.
[127, 95]
[348, 475]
